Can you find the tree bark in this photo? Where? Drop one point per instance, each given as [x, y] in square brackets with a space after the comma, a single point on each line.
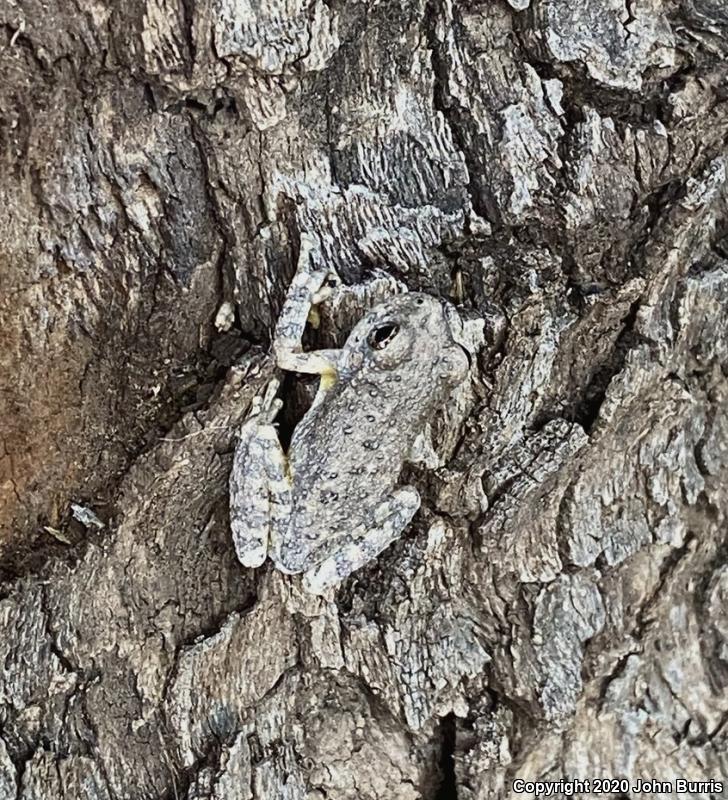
[557, 609]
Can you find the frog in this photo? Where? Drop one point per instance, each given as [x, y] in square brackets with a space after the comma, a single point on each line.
[332, 502]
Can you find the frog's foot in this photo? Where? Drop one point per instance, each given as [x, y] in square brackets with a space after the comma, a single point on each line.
[263, 410]
[390, 519]
[260, 494]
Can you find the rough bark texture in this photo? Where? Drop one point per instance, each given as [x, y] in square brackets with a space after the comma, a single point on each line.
[559, 169]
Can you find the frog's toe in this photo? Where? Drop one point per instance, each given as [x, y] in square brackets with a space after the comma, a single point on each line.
[322, 578]
[291, 558]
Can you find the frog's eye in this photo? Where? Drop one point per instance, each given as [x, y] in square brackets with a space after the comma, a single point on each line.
[380, 337]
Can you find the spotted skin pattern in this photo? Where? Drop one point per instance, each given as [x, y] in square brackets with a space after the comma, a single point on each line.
[332, 503]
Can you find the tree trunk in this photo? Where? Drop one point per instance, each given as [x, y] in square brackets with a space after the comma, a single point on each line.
[557, 608]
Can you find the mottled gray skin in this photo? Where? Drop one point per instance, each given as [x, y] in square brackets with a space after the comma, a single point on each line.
[348, 451]
[332, 503]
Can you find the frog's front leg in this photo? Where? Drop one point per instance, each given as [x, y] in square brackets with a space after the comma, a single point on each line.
[308, 288]
[260, 489]
[389, 520]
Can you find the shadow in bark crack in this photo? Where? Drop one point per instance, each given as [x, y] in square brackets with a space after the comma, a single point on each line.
[448, 786]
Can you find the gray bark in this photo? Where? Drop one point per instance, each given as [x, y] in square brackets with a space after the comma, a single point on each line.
[558, 607]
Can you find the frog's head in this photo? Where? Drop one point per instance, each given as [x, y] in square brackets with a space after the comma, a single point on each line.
[410, 331]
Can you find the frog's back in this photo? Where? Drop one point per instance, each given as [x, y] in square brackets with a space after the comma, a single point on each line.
[347, 453]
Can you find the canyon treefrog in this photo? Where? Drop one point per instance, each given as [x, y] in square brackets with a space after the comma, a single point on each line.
[332, 502]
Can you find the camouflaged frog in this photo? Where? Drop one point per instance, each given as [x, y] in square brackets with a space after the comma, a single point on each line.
[332, 502]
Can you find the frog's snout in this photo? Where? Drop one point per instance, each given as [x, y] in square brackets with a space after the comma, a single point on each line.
[458, 355]
[468, 356]
[459, 359]
[454, 364]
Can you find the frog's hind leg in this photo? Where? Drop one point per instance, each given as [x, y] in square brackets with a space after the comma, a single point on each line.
[260, 494]
[389, 520]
